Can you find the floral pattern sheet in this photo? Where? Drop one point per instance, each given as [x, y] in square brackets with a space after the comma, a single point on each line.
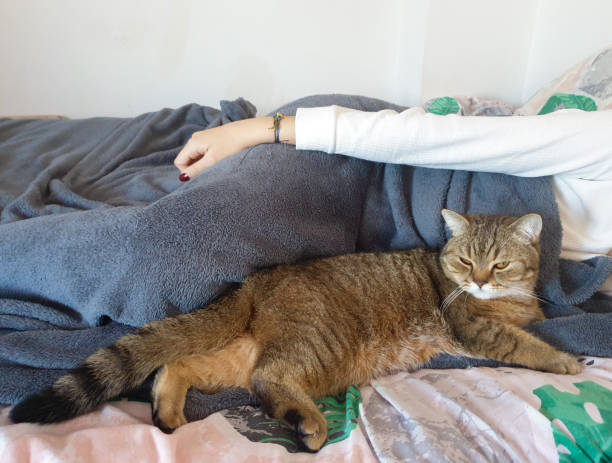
[473, 415]
[492, 414]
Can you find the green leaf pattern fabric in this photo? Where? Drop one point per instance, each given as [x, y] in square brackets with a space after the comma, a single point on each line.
[443, 106]
[581, 423]
[341, 413]
[568, 101]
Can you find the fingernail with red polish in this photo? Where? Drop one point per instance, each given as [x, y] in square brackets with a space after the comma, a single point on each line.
[184, 178]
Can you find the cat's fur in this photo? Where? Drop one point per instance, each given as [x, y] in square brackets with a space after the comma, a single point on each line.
[297, 332]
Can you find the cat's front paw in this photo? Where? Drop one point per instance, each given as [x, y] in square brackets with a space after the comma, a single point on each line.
[564, 364]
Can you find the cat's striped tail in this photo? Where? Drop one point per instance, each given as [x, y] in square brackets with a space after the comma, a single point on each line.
[127, 363]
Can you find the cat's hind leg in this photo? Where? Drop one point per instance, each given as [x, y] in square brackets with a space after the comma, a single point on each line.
[229, 367]
[168, 397]
[283, 398]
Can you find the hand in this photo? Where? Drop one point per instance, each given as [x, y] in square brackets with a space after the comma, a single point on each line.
[207, 147]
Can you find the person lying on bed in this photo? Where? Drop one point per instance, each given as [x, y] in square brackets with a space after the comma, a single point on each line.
[572, 146]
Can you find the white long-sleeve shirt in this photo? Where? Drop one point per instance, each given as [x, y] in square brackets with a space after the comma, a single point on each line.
[573, 146]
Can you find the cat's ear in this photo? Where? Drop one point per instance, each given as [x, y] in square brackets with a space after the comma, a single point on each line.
[455, 222]
[529, 226]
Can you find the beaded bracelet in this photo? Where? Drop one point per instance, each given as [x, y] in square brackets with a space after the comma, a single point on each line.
[276, 127]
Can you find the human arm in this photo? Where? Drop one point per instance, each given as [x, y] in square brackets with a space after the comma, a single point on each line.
[571, 142]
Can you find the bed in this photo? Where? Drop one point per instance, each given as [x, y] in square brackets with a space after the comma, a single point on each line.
[470, 415]
[97, 237]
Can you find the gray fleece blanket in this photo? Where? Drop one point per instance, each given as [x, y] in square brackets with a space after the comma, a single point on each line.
[98, 236]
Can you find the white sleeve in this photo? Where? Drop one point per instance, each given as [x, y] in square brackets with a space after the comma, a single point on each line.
[571, 142]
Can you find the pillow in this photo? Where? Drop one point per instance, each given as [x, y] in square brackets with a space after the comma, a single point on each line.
[586, 86]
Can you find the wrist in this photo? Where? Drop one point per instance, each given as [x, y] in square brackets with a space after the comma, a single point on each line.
[255, 131]
[287, 130]
[261, 130]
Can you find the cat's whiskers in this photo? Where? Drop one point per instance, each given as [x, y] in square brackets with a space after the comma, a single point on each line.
[448, 297]
[528, 293]
[448, 300]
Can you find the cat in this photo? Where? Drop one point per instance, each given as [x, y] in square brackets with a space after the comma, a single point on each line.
[297, 332]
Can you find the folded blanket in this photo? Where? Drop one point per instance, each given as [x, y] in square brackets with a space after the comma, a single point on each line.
[97, 236]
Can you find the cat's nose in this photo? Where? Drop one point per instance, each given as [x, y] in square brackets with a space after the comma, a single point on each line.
[480, 283]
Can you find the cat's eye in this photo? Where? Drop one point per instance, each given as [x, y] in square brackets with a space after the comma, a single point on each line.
[501, 265]
[465, 261]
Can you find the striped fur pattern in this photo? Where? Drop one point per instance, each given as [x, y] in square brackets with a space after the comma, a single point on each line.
[297, 332]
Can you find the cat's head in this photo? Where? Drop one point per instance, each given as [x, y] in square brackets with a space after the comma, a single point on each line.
[492, 256]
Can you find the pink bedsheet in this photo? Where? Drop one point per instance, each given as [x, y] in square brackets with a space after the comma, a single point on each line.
[123, 432]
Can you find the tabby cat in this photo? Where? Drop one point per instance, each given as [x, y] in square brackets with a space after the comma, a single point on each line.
[297, 332]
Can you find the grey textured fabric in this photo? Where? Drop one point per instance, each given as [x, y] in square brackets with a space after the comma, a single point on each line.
[97, 236]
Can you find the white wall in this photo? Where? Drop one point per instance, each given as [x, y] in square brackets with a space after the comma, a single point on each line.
[116, 57]
[478, 46]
